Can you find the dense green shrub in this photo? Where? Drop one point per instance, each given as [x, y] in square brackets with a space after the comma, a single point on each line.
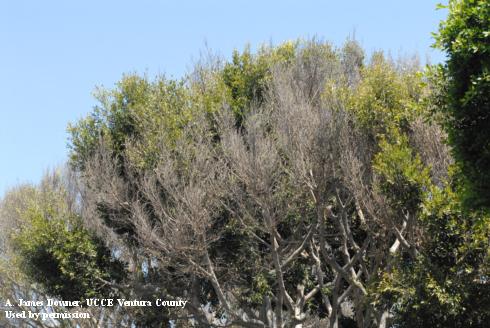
[465, 37]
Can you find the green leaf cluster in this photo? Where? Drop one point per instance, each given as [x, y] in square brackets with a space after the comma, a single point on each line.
[386, 97]
[403, 177]
[448, 280]
[465, 37]
[132, 119]
[59, 254]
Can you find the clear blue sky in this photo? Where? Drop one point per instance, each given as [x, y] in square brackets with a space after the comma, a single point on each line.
[53, 53]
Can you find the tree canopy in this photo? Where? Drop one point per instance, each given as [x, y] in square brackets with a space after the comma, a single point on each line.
[465, 37]
[303, 185]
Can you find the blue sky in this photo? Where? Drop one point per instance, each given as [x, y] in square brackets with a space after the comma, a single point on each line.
[53, 53]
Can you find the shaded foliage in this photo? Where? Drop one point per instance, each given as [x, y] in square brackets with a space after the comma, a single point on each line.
[465, 37]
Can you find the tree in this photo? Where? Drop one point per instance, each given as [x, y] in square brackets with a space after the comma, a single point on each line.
[290, 217]
[298, 186]
[465, 37]
[301, 186]
[47, 253]
[449, 280]
[53, 248]
[448, 286]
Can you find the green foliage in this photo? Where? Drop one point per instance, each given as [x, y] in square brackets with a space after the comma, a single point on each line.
[245, 79]
[404, 179]
[132, 119]
[445, 284]
[450, 276]
[465, 37]
[385, 101]
[449, 281]
[247, 75]
[55, 251]
[260, 288]
[386, 98]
